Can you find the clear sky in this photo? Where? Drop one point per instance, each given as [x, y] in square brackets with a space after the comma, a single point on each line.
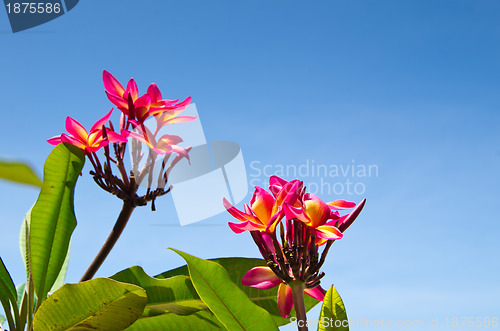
[409, 87]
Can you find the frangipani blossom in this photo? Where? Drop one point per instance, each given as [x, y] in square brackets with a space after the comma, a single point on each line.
[164, 145]
[170, 117]
[292, 251]
[265, 211]
[264, 278]
[135, 107]
[160, 105]
[90, 141]
[315, 213]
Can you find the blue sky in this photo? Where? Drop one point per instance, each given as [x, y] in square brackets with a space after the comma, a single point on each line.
[408, 86]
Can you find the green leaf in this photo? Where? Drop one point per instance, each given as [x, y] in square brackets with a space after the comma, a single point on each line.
[202, 320]
[2, 319]
[173, 303]
[20, 290]
[7, 287]
[236, 268]
[333, 315]
[97, 304]
[62, 274]
[231, 305]
[8, 295]
[22, 237]
[19, 173]
[52, 217]
[22, 305]
[173, 295]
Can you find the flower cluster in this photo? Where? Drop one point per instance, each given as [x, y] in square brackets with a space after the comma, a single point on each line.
[135, 110]
[294, 258]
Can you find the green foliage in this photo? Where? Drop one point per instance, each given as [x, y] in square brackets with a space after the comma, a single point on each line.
[333, 310]
[173, 295]
[22, 304]
[52, 218]
[7, 287]
[201, 320]
[8, 295]
[22, 245]
[231, 305]
[236, 267]
[97, 304]
[172, 303]
[19, 173]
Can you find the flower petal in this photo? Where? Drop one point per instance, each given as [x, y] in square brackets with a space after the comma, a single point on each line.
[98, 125]
[111, 84]
[327, 232]
[97, 145]
[184, 103]
[132, 90]
[141, 108]
[178, 158]
[141, 138]
[154, 93]
[55, 140]
[170, 139]
[341, 204]
[289, 194]
[275, 189]
[352, 216]
[94, 138]
[248, 210]
[262, 204]
[181, 151]
[72, 140]
[245, 226]
[179, 119]
[268, 241]
[295, 213]
[316, 209]
[285, 300]
[275, 219]
[317, 293]
[239, 214]
[76, 129]
[118, 102]
[278, 181]
[260, 277]
[114, 137]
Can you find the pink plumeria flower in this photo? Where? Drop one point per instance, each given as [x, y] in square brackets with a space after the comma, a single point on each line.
[167, 143]
[139, 108]
[265, 211]
[167, 111]
[342, 223]
[160, 105]
[90, 141]
[264, 278]
[170, 117]
[316, 213]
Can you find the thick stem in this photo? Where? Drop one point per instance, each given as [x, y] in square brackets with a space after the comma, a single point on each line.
[298, 303]
[120, 224]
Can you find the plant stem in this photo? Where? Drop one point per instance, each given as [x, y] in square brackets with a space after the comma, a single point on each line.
[120, 224]
[298, 302]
